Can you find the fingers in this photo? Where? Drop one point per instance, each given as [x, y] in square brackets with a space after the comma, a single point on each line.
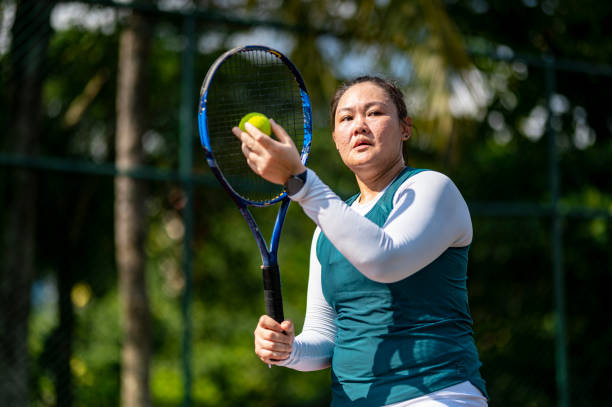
[273, 341]
[265, 140]
[255, 145]
[251, 149]
[288, 329]
[274, 160]
[280, 133]
[258, 136]
[254, 137]
[251, 142]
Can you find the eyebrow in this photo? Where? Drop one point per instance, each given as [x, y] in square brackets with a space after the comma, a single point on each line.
[367, 106]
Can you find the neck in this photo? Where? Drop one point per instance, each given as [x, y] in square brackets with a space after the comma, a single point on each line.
[370, 184]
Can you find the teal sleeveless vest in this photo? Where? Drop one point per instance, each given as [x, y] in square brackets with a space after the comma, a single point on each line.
[401, 340]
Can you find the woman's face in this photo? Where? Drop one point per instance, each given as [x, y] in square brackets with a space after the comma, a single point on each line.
[368, 132]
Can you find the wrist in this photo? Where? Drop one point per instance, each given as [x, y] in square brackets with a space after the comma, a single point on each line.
[298, 169]
[296, 182]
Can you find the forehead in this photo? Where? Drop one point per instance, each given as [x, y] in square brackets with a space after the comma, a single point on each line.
[361, 93]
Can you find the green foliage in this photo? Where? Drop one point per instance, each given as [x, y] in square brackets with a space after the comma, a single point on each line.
[490, 153]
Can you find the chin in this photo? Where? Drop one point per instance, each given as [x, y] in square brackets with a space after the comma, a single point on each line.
[356, 166]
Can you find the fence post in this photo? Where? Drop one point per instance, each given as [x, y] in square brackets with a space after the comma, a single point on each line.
[186, 118]
[562, 378]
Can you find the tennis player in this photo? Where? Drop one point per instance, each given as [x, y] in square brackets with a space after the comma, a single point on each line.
[387, 304]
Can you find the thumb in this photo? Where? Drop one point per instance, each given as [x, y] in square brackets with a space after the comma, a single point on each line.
[280, 133]
[288, 327]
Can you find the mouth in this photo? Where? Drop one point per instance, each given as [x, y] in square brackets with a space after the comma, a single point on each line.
[362, 142]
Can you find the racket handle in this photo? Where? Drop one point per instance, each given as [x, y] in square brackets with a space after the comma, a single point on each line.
[272, 292]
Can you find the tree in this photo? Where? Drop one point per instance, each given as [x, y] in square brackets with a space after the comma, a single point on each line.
[411, 41]
[19, 235]
[130, 215]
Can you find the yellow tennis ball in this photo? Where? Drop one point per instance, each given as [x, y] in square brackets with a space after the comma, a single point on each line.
[258, 120]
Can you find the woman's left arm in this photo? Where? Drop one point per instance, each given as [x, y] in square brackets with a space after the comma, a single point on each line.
[429, 216]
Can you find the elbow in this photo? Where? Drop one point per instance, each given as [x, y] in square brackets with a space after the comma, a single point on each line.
[388, 270]
[313, 366]
[376, 271]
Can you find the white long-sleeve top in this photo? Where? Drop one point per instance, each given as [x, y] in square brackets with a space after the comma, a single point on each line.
[429, 215]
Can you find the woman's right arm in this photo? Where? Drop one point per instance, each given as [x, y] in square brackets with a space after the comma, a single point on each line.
[429, 215]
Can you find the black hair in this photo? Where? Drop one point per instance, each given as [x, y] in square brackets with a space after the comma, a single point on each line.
[390, 88]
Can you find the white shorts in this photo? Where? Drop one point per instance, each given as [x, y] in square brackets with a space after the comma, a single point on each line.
[460, 395]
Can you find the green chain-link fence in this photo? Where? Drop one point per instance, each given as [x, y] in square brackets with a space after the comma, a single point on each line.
[60, 343]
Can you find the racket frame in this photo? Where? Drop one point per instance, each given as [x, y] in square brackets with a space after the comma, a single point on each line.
[269, 255]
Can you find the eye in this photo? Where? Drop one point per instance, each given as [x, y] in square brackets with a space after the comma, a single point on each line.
[374, 113]
[345, 118]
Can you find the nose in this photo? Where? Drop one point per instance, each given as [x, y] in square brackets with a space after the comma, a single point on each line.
[360, 126]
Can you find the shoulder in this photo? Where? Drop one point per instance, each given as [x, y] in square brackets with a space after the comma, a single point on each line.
[428, 176]
[430, 184]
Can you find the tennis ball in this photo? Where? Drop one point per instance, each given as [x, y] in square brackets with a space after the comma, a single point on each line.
[258, 120]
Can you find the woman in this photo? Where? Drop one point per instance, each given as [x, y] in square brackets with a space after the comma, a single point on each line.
[387, 300]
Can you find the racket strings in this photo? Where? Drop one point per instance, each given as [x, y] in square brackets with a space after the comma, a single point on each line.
[251, 81]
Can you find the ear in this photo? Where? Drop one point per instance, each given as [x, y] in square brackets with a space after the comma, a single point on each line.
[406, 125]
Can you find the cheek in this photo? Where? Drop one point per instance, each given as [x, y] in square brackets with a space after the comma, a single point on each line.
[335, 140]
[385, 131]
[391, 137]
[339, 141]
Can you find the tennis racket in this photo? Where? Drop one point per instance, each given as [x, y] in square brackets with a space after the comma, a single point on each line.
[248, 79]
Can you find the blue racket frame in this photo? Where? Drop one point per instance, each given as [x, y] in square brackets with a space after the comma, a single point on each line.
[269, 256]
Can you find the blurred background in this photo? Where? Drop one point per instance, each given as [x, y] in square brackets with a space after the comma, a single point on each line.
[128, 277]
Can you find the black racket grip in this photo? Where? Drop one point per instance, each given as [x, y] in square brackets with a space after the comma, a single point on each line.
[272, 292]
